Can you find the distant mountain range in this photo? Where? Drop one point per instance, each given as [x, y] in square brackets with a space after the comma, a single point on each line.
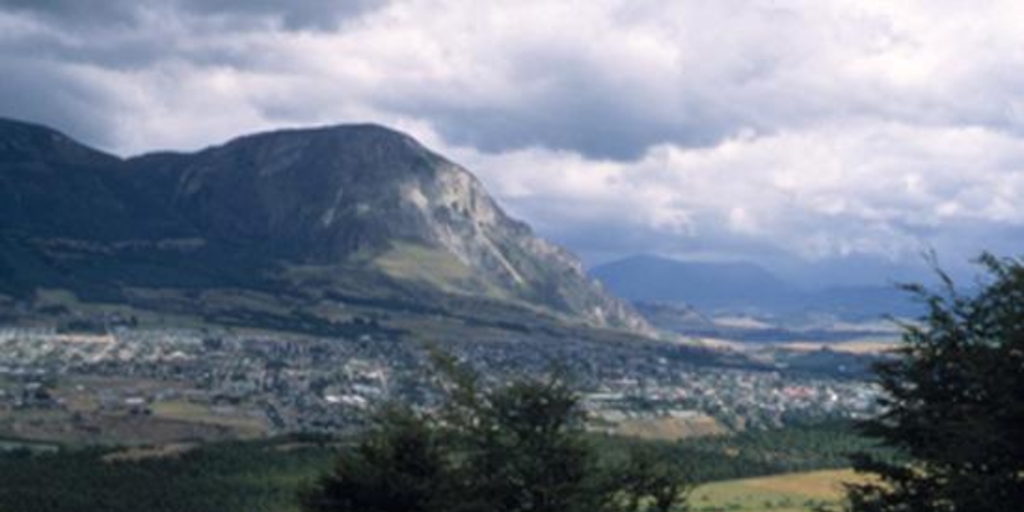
[306, 228]
[703, 284]
[745, 288]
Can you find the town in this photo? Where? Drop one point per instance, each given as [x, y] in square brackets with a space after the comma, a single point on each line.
[155, 385]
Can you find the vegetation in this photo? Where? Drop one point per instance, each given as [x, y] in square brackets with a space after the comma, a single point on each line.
[790, 492]
[522, 447]
[518, 447]
[265, 475]
[253, 476]
[955, 404]
[506, 431]
[757, 453]
[650, 474]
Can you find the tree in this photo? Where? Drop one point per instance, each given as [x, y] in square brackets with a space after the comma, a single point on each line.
[518, 447]
[954, 403]
[651, 475]
[397, 466]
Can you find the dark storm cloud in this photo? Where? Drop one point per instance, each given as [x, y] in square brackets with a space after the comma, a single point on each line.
[583, 119]
[114, 14]
[128, 51]
[581, 110]
[294, 14]
[68, 104]
[644, 74]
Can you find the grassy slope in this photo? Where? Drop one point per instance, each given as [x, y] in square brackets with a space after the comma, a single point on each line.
[433, 267]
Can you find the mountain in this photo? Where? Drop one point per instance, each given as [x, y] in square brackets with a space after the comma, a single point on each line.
[851, 271]
[294, 222]
[706, 285]
[741, 288]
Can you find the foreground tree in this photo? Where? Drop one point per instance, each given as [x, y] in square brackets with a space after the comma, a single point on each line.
[954, 404]
[397, 466]
[513, 448]
[653, 481]
[523, 451]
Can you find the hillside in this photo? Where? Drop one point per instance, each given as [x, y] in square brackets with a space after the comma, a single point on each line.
[311, 227]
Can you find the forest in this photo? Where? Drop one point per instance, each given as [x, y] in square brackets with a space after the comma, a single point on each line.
[266, 475]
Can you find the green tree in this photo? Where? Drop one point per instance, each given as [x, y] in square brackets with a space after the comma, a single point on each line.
[518, 447]
[398, 465]
[653, 480]
[954, 403]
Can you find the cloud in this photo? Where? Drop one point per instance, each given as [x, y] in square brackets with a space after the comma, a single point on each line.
[121, 14]
[603, 78]
[68, 103]
[695, 128]
[854, 187]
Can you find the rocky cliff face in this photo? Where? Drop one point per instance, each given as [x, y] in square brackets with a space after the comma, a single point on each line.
[346, 199]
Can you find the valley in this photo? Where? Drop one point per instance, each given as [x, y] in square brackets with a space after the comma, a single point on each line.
[291, 281]
[507, 256]
[158, 385]
[261, 300]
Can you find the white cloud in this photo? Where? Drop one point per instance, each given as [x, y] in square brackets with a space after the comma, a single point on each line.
[853, 187]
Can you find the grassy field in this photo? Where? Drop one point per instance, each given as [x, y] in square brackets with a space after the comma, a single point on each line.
[860, 346]
[246, 426]
[12, 444]
[794, 492]
[668, 428]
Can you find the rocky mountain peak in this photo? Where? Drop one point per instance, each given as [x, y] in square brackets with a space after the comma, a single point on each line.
[353, 198]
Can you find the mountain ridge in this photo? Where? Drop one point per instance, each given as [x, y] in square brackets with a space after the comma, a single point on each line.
[366, 205]
[704, 284]
[743, 287]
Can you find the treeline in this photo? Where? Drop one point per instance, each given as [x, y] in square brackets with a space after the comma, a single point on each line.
[235, 476]
[264, 476]
[761, 452]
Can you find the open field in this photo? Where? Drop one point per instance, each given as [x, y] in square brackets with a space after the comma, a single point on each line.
[669, 428]
[794, 492]
[109, 428]
[864, 346]
[14, 444]
[243, 422]
[142, 453]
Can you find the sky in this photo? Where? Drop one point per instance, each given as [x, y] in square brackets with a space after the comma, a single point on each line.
[821, 135]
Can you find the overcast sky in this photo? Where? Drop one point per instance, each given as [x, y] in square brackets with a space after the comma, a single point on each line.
[773, 130]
